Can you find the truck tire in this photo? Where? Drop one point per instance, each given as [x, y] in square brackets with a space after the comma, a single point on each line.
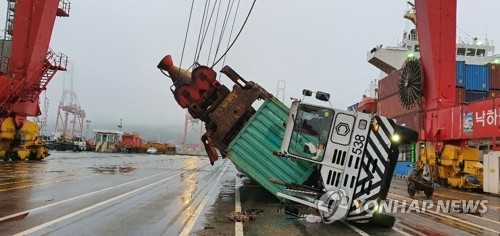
[75, 149]
[383, 219]
[428, 193]
[412, 189]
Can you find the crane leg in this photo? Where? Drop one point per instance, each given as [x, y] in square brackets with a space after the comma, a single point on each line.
[20, 143]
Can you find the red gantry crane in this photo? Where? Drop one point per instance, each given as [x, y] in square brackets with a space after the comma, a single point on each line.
[27, 66]
[70, 113]
[447, 126]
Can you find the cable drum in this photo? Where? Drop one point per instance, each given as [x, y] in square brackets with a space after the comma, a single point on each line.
[410, 83]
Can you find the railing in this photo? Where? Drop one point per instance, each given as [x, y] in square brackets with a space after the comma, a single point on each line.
[9, 27]
[58, 61]
[61, 61]
[4, 65]
[63, 8]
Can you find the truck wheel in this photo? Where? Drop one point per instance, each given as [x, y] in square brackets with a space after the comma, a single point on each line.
[428, 193]
[412, 189]
[383, 219]
[75, 149]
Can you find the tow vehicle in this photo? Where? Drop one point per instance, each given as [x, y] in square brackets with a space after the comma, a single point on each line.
[336, 161]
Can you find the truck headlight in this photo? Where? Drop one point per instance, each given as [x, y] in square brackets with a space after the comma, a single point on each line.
[396, 138]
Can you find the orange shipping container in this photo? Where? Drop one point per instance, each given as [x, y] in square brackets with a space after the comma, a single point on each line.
[131, 140]
[494, 76]
[460, 95]
[493, 93]
[390, 107]
[389, 85]
[411, 120]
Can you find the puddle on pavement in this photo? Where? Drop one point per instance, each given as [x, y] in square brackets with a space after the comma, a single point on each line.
[111, 169]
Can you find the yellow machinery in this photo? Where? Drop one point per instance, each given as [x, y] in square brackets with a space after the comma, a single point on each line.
[456, 166]
[19, 144]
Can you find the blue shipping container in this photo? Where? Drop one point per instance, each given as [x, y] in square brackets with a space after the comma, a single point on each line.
[476, 77]
[353, 108]
[460, 74]
[475, 95]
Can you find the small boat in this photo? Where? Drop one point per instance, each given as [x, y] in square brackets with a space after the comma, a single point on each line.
[152, 150]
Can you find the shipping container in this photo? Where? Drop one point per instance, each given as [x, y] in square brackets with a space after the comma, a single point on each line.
[389, 85]
[353, 108]
[251, 151]
[493, 93]
[471, 96]
[131, 140]
[390, 107]
[460, 95]
[460, 74]
[494, 76]
[411, 120]
[476, 77]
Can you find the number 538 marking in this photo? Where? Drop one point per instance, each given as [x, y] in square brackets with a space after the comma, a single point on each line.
[358, 144]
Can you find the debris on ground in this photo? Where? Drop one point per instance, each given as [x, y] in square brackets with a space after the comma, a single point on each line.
[245, 215]
[312, 218]
[240, 175]
[253, 211]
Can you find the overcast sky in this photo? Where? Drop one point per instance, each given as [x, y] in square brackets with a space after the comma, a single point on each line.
[115, 46]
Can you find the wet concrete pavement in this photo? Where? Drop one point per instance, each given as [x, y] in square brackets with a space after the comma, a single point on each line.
[133, 194]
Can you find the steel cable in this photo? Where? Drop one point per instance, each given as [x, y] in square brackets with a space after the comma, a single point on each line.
[224, 25]
[185, 37]
[206, 31]
[213, 33]
[202, 27]
[237, 36]
[231, 33]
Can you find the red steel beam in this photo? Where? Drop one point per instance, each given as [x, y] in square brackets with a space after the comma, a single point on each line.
[443, 120]
[436, 25]
[33, 25]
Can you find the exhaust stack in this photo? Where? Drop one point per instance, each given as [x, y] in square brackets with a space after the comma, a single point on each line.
[178, 75]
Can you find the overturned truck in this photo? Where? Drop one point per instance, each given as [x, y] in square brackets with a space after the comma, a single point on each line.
[336, 161]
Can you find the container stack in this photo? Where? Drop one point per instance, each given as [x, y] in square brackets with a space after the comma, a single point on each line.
[473, 82]
[494, 80]
[474, 79]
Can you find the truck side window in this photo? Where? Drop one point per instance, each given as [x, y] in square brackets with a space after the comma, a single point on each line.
[310, 132]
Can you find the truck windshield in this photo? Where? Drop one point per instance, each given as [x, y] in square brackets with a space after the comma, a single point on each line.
[310, 132]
